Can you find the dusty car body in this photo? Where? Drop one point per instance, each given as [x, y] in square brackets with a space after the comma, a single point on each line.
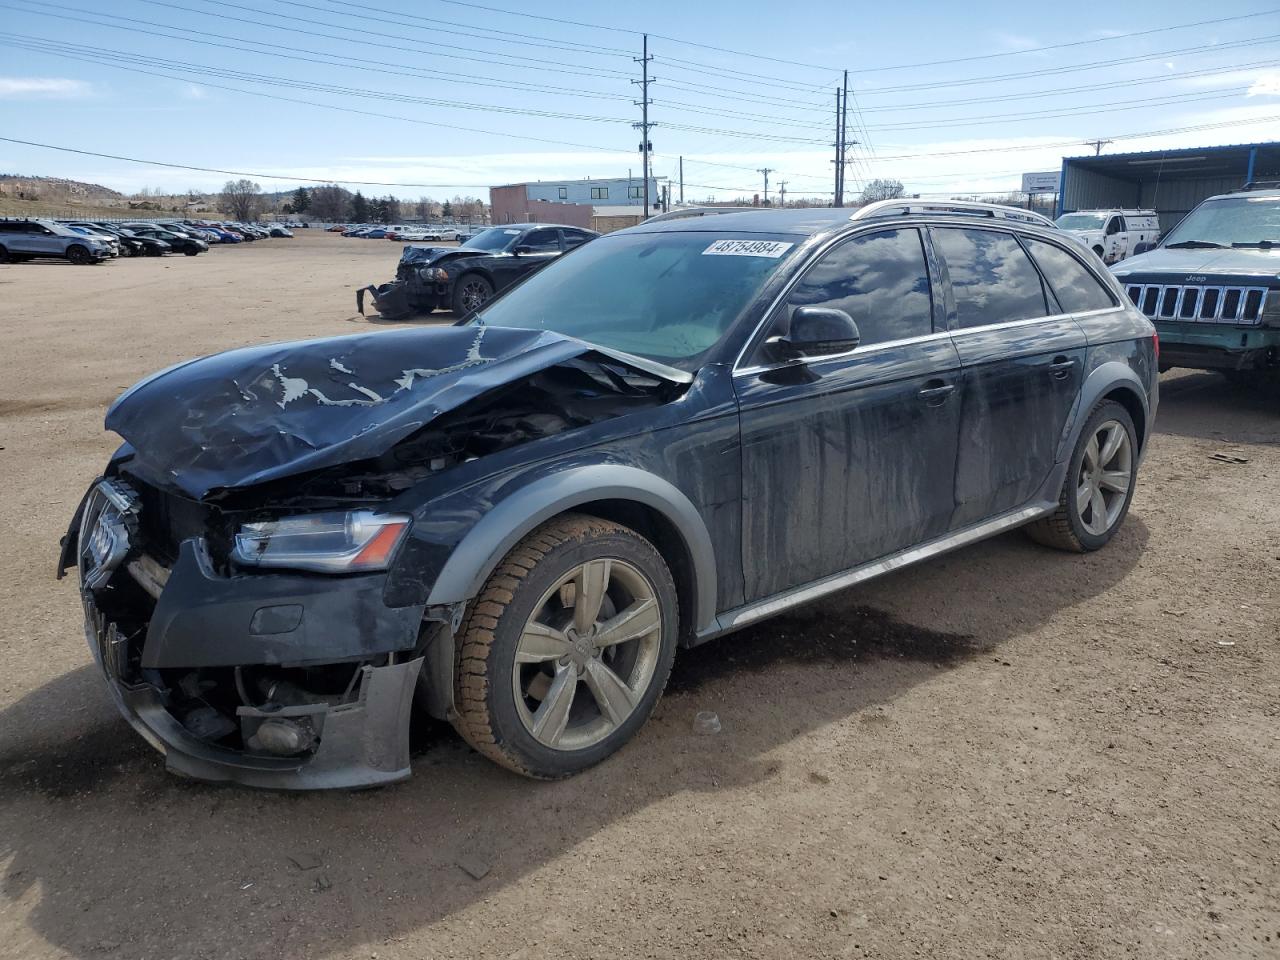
[296, 541]
[466, 277]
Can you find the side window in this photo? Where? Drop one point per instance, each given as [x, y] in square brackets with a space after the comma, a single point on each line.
[599, 193]
[572, 238]
[879, 279]
[991, 278]
[563, 193]
[1076, 288]
[1114, 226]
[542, 241]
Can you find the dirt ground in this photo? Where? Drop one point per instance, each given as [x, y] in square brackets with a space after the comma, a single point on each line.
[1007, 752]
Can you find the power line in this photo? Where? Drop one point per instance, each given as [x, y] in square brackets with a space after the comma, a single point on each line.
[1063, 46]
[1073, 68]
[1057, 91]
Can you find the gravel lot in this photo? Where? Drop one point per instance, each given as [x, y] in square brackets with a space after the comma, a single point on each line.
[1007, 752]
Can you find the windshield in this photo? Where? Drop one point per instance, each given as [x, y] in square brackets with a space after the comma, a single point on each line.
[1242, 221]
[1081, 221]
[493, 240]
[668, 297]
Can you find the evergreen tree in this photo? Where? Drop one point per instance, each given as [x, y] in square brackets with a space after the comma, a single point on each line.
[359, 208]
[300, 200]
[447, 210]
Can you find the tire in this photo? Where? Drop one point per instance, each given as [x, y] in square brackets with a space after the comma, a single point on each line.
[154, 252]
[191, 253]
[78, 255]
[1098, 251]
[1067, 528]
[540, 714]
[471, 291]
[4, 255]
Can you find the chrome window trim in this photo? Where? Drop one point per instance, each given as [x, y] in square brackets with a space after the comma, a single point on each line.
[858, 351]
[1006, 324]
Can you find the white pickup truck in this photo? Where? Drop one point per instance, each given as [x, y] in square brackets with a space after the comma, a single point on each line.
[1113, 234]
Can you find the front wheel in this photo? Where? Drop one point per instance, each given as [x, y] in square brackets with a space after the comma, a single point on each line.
[567, 649]
[191, 253]
[4, 255]
[1099, 485]
[470, 293]
[78, 255]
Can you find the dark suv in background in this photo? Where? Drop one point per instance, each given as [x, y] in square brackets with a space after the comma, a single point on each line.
[1212, 286]
[684, 428]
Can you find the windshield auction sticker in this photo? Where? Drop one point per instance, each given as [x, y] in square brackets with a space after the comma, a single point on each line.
[747, 248]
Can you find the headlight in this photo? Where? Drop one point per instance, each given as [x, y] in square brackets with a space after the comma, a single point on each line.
[440, 274]
[326, 542]
[1271, 310]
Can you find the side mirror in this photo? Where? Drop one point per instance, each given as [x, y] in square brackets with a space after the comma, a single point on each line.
[524, 248]
[816, 332]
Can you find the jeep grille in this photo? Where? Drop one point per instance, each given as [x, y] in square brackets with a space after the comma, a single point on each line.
[1201, 304]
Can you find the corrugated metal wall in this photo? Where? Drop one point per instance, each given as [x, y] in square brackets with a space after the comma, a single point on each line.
[1172, 198]
[1087, 190]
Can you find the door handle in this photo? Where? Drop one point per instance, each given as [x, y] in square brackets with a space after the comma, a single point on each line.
[934, 395]
[1061, 367]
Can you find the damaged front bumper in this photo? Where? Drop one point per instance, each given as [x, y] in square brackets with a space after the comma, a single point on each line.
[169, 666]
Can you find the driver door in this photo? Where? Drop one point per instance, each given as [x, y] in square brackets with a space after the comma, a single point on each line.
[848, 458]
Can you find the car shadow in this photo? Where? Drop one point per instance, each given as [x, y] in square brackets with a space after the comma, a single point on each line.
[438, 318]
[1207, 406]
[117, 858]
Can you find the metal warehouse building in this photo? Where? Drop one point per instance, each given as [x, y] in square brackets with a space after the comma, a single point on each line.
[1171, 182]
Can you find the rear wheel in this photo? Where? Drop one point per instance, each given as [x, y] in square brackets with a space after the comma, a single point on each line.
[1099, 485]
[470, 293]
[78, 254]
[4, 255]
[191, 253]
[565, 652]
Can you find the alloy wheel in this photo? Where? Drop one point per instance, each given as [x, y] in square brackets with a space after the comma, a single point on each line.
[475, 294]
[1106, 470]
[588, 654]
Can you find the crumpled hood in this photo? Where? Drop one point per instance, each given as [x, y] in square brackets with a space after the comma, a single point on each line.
[419, 256]
[1192, 261]
[260, 413]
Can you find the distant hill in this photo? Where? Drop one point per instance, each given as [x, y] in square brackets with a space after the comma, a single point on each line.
[53, 189]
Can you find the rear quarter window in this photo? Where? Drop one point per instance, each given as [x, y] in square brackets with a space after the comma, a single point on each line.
[1076, 288]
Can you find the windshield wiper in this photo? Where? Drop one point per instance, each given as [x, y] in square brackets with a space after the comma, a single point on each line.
[1188, 244]
[1260, 244]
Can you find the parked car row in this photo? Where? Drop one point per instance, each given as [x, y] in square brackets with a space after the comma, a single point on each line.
[410, 233]
[92, 241]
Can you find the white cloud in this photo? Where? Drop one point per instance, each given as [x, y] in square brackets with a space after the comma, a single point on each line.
[194, 92]
[28, 88]
[1266, 85]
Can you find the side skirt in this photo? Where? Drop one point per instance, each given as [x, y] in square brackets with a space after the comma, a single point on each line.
[748, 614]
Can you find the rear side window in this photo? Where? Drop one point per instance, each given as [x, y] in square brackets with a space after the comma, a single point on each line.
[574, 239]
[542, 241]
[879, 279]
[1076, 288]
[992, 279]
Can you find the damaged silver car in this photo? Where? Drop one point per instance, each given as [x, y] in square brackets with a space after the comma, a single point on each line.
[514, 522]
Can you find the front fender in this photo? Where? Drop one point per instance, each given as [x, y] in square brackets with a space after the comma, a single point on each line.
[499, 529]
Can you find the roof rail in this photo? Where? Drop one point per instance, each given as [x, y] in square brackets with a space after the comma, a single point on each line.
[1262, 185]
[955, 208]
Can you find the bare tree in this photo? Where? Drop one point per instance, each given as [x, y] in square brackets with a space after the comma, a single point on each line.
[882, 190]
[426, 208]
[328, 202]
[240, 199]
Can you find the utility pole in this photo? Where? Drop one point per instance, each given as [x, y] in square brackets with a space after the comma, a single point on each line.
[844, 135]
[1097, 145]
[838, 194]
[766, 171]
[682, 180]
[782, 193]
[643, 125]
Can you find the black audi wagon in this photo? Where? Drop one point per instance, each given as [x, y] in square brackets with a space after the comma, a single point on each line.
[515, 522]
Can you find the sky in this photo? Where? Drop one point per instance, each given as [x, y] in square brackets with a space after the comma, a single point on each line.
[444, 97]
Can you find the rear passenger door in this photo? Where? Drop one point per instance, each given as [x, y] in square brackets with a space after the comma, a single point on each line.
[850, 457]
[1023, 362]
